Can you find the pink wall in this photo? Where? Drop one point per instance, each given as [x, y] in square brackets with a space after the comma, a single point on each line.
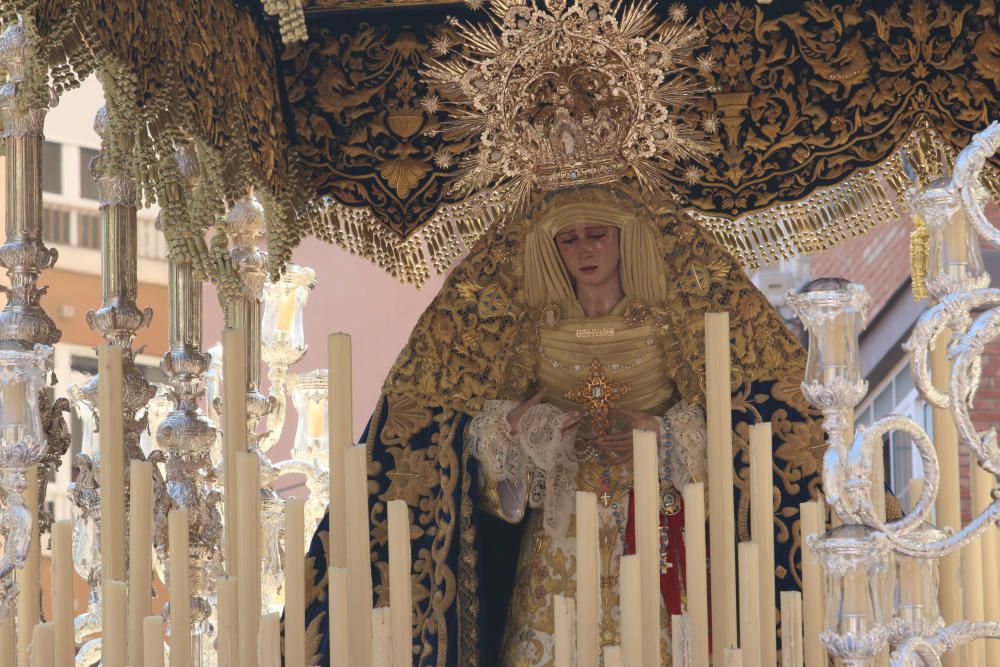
[353, 296]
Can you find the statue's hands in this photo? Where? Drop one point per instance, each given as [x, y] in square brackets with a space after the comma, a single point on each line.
[571, 420]
[621, 443]
[514, 416]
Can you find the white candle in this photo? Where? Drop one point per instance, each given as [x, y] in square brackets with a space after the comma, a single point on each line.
[696, 573]
[180, 592]
[811, 523]
[762, 524]
[248, 555]
[734, 657]
[28, 577]
[973, 603]
[749, 564]
[359, 555]
[722, 524]
[791, 629]
[382, 655]
[295, 581]
[234, 432]
[647, 540]
[982, 486]
[400, 593]
[680, 631]
[62, 593]
[8, 643]
[341, 437]
[588, 592]
[42, 645]
[948, 507]
[337, 614]
[226, 592]
[112, 470]
[152, 641]
[562, 607]
[140, 570]
[269, 640]
[612, 656]
[113, 651]
[631, 612]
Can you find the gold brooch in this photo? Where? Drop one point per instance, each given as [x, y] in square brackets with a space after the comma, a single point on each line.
[598, 394]
[551, 314]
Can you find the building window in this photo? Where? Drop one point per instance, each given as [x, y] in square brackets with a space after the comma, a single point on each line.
[88, 188]
[52, 167]
[90, 229]
[56, 224]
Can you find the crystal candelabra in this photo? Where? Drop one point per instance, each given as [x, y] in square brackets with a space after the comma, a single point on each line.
[271, 314]
[882, 576]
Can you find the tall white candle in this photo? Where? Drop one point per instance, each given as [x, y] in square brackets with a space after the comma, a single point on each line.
[696, 572]
[734, 657]
[948, 507]
[8, 643]
[28, 576]
[113, 650]
[973, 602]
[248, 555]
[140, 570]
[562, 607]
[588, 592]
[337, 615]
[269, 640]
[762, 524]
[180, 589]
[811, 523]
[722, 523]
[359, 555]
[400, 592]
[749, 564]
[647, 540]
[228, 642]
[62, 592]
[295, 581]
[791, 629]
[680, 633]
[112, 470]
[631, 610]
[612, 656]
[152, 641]
[982, 487]
[42, 653]
[234, 432]
[382, 655]
[341, 438]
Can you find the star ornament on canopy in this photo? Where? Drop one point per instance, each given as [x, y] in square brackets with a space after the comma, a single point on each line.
[598, 394]
[569, 92]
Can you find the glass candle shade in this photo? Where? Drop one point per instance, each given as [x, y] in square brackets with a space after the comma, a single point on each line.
[22, 378]
[954, 259]
[282, 331]
[833, 311]
[859, 572]
[309, 395]
[915, 603]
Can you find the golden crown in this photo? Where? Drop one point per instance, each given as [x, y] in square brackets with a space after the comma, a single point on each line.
[570, 92]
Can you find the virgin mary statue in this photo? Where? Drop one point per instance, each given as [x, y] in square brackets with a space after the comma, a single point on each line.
[559, 334]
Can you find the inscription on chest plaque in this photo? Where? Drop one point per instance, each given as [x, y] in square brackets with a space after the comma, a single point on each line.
[600, 332]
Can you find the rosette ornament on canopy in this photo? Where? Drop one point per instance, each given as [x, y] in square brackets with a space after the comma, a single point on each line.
[340, 134]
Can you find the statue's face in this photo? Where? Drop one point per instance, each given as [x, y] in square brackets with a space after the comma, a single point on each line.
[590, 253]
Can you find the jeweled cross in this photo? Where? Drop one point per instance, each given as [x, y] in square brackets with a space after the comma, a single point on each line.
[598, 394]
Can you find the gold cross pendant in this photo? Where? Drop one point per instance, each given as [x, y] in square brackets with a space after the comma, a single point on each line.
[598, 394]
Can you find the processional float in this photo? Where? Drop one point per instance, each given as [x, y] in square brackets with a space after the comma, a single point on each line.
[201, 512]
